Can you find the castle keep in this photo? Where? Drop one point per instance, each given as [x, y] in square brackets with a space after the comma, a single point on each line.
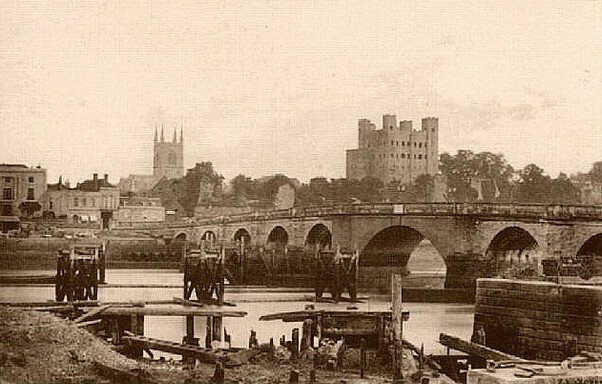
[395, 152]
[168, 160]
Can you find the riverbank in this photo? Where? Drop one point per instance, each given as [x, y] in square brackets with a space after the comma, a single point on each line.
[41, 348]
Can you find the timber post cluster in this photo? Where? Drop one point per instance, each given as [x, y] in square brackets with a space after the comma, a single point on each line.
[79, 270]
[336, 272]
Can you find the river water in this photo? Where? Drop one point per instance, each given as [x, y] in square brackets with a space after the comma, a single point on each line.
[426, 321]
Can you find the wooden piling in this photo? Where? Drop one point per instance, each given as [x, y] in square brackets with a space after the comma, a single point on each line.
[219, 373]
[294, 377]
[362, 357]
[209, 332]
[306, 335]
[397, 317]
[217, 328]
[295, 342]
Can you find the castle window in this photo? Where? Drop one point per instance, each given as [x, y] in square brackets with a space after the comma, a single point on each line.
[172, 159]
[7, 193]
[30, 194]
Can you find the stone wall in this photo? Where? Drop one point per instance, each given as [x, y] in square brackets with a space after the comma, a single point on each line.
[539, 320]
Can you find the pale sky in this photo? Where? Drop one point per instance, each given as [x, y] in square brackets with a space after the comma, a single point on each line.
[278, 86]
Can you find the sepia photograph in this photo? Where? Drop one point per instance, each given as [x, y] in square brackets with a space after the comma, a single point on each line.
[301, 191]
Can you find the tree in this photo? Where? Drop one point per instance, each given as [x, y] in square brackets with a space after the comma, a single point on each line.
[562, 191]
[533, 186]
[200, 181]
[465, 170]
[243, 188]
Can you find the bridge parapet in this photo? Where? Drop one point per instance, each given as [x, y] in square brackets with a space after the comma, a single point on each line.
[513, 211]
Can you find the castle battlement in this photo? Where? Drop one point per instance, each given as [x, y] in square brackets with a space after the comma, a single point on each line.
[395, 151]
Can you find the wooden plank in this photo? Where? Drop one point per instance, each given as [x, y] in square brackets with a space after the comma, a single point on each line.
[204, 355]
[302, 315]
[88, 323]
[475, 349]
[173, 311]
[91, 313]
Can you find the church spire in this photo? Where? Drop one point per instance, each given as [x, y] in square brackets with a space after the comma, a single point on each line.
[175, 137]
[155, 132]
[162, 135]
[181, 135]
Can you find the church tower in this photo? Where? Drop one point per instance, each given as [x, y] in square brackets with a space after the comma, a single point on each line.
[168, 159]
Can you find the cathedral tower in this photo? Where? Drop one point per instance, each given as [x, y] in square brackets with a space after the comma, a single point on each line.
[168, 159]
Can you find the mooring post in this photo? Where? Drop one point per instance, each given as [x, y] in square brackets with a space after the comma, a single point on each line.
[219, 373]
[295, 342]
[253, 339]
[362, 357]
[397, 316]
[294, 377]
[306, 335]
[209, 332]
[217, 328]
[189, 338]
[136, 350]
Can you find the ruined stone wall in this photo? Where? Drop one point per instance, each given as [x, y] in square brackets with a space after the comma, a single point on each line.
[539, 320]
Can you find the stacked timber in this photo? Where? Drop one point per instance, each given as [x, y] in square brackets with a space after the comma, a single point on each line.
[538, 320]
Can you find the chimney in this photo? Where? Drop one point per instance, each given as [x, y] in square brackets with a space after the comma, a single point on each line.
[106, 177]
[95, 176]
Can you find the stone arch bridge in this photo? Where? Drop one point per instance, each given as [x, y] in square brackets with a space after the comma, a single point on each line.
[473, 239]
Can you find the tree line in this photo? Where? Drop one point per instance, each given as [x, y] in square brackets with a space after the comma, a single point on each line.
[464, 177]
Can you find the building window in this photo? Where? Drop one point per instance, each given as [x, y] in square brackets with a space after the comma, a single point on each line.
[7, 193]
[392, 142]
[50, 205]
[403, 155]
[419, 145]
[397, 143]
[7, 179]
[31, 179]
[420, 157]
[76, 201]
[94, 202]
[414, 155]
[432, 129]
[30, 194]
[84, 201]
[424, 145]
[425, 157]
[414, 144]
[391, 155]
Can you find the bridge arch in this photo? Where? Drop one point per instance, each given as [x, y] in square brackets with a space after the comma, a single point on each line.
[243, 234]
[392, 250]
[181, 236]
[277, 238]
[319, 235]
[591, 253]
[512, 247]
[209, 237]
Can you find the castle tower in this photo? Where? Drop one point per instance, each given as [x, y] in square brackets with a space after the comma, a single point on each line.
[168, 157]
